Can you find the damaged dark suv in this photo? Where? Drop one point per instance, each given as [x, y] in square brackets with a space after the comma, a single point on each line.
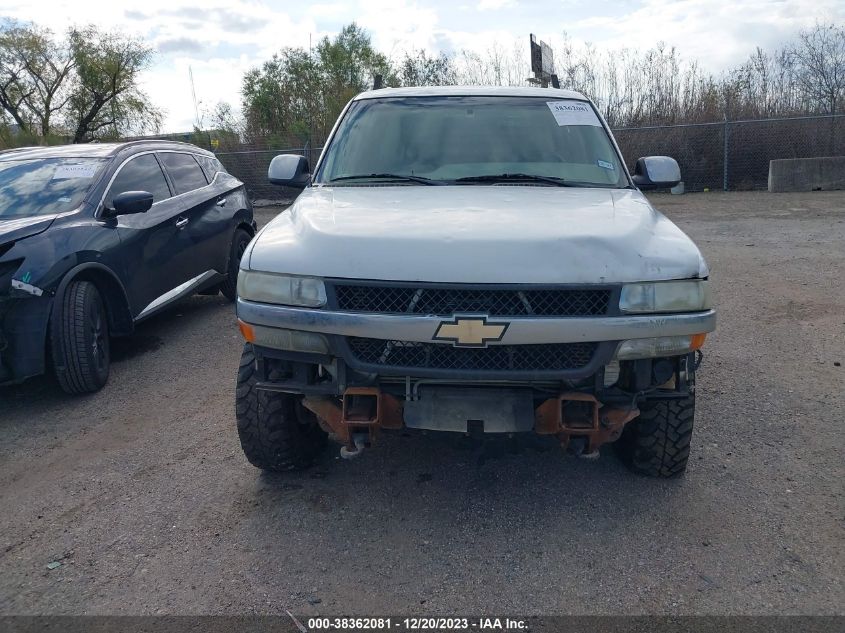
[95, 238]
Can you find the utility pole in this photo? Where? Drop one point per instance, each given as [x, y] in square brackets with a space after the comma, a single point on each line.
[725, 138]
[310, 105]
[194, 95]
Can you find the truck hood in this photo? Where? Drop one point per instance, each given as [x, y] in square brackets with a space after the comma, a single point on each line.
[12, 230]
[476, 234]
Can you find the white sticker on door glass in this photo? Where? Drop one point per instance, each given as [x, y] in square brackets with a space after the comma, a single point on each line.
[573, 113]
[64, 172]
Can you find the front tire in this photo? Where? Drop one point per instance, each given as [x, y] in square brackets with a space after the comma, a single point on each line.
[657, 443]
[240, 241]
[80, 339]
[276, 432]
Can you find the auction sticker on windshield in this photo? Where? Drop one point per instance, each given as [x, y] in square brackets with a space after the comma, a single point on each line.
[75, 171]
[573, 113]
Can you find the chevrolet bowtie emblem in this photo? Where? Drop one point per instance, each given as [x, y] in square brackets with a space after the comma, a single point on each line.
[469, 331]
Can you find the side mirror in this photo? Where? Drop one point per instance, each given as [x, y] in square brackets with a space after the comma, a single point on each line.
[656, 172]
[290, 170]
[130, 202]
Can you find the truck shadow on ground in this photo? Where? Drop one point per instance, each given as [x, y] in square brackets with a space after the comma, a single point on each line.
[428, 508]
[438, 482]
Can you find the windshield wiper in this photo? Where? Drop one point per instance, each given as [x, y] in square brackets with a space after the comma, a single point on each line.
[559, 182]
[398, 177]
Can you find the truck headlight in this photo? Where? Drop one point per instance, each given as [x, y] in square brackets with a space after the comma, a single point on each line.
[665, 296]
[281, 289]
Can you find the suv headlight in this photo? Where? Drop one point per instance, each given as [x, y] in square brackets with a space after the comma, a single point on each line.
[281, 289]
[665, 296]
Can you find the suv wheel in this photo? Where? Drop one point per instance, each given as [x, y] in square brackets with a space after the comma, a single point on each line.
[657, 443]
[80, 339]
[277, 433]
[229, 288]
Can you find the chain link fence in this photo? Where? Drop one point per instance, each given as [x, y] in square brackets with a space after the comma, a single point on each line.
[728, 155]
[250, 167]
[734, 155]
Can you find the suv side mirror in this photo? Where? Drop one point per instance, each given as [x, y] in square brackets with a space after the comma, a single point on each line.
[290, 170]
[130, 202]
[656, 172]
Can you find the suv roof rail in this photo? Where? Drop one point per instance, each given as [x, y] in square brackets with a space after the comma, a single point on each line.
[161, 141]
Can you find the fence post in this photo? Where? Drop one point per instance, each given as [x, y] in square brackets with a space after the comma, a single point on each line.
[725, 156]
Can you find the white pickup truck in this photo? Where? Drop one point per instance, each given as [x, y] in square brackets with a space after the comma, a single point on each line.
[471, 260]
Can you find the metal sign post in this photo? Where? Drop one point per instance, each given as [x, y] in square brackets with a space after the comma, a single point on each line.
[542, 64]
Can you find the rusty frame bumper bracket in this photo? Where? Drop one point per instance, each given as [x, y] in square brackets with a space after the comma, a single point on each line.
[354, 413]
[605, 423]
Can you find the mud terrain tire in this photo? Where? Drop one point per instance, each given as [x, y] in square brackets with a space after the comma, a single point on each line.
[657, 443]
[277, 433]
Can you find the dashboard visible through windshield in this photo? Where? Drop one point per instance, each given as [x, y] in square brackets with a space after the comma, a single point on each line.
[472, 140]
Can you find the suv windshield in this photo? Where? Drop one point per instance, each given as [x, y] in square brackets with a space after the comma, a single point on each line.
[472, 141]
[44, 186]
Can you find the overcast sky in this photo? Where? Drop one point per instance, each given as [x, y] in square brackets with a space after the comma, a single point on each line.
[220, 39]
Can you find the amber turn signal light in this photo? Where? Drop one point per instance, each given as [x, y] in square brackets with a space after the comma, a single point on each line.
[248, 331]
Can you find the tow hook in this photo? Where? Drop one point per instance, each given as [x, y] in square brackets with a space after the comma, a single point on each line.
[356, 420]
[359, 441]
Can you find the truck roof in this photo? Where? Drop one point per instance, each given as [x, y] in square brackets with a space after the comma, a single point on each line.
[470, 91]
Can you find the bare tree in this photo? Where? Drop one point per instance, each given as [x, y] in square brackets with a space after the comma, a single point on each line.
[819, 57]
[422, 69]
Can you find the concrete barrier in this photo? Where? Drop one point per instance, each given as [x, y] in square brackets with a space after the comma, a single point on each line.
[807, 174]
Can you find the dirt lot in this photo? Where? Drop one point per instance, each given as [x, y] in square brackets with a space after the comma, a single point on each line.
[142, 495]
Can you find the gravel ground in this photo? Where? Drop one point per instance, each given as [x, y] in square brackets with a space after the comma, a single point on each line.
[142, 496]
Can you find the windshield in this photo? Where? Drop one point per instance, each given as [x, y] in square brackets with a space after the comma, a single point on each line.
[44, 186]
[452, 138]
